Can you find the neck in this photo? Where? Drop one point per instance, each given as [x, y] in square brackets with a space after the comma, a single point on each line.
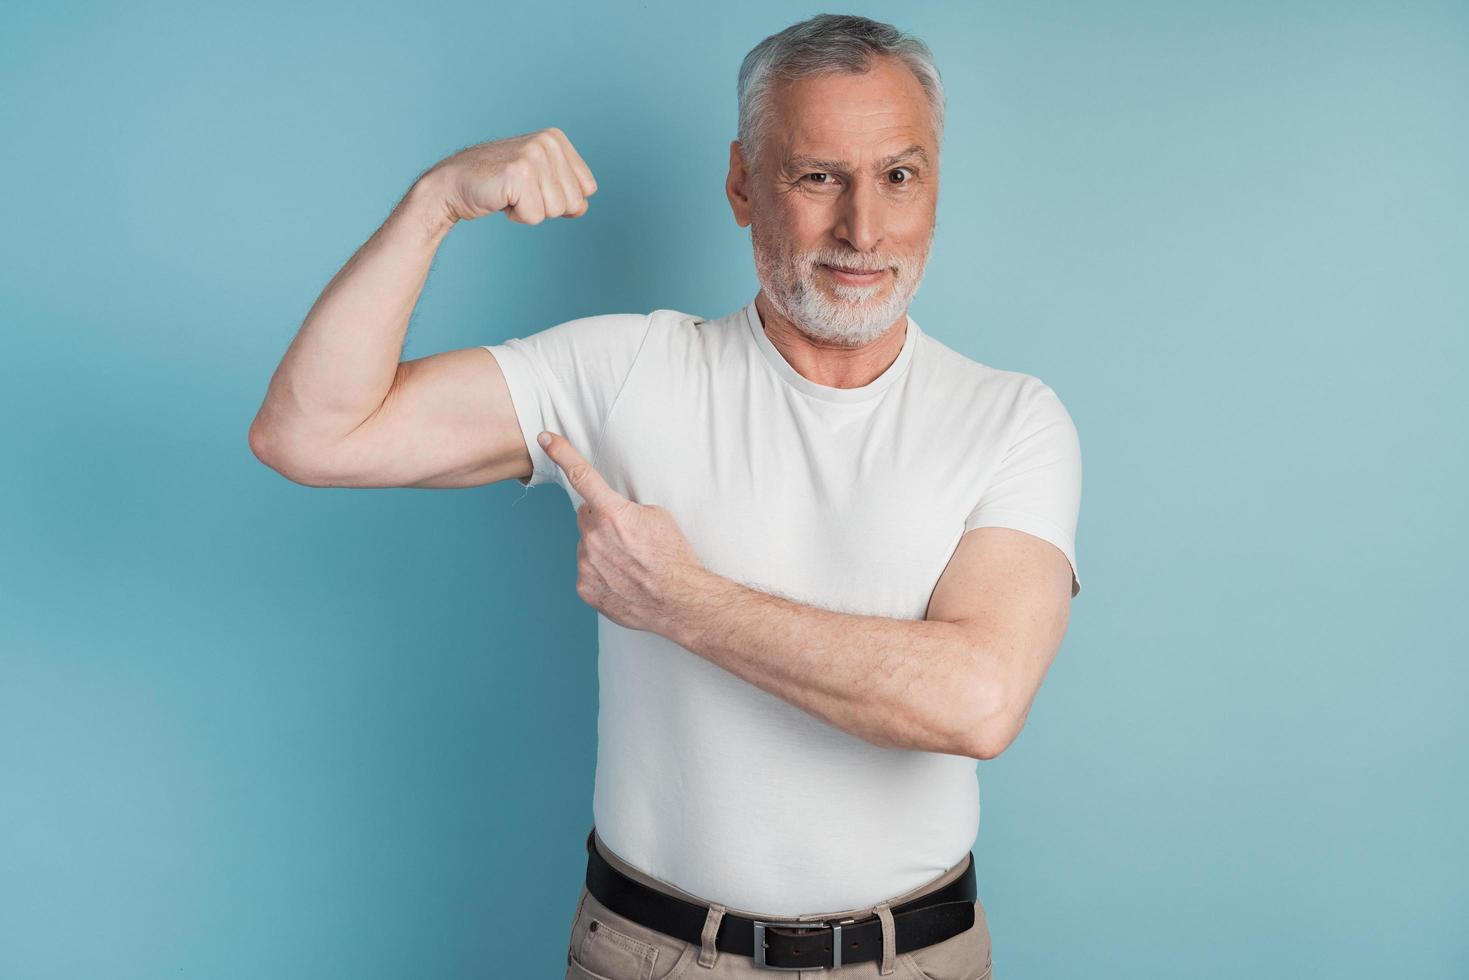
[826, 363]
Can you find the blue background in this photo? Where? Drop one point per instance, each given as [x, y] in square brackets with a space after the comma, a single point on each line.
[252, 729]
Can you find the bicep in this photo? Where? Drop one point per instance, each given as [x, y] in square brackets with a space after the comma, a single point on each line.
[447, 421]
[1010, 591]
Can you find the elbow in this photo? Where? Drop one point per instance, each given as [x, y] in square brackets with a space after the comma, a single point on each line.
[271, 451]
[988, 744]
[267, 449]
[260, 444]
[988, 728]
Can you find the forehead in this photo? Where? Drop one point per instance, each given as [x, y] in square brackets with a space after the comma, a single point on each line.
[852, 117]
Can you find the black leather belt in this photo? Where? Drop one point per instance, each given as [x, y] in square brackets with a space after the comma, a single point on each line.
[928, 919]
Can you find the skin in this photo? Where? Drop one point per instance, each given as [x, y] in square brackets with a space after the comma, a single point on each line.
[960, 681]
[845, 211]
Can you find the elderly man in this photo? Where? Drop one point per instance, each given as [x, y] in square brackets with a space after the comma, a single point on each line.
[832, 557]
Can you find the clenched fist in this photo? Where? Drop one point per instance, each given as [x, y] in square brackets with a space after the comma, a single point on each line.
[530, 177]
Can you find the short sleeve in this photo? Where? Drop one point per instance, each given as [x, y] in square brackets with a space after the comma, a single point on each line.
[1037, 487]
[565, 379]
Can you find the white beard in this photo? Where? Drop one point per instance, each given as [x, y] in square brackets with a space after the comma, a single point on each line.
[851, 315]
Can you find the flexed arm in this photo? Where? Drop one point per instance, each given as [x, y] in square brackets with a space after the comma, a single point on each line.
[341, 410]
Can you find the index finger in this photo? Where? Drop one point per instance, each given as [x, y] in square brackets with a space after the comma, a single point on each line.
[587, 481]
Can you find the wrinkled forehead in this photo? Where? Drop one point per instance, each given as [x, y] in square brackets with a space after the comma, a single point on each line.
[857, 120]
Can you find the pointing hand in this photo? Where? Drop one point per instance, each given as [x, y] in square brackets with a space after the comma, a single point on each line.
[633, 562]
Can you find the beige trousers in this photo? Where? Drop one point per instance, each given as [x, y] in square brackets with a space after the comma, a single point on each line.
[607, 946]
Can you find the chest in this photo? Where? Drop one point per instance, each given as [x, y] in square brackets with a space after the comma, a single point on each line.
[851, 508]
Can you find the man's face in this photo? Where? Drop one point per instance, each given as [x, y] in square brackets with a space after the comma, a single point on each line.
[837, 185]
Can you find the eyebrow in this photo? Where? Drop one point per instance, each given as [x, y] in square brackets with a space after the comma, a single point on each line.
[841, 167]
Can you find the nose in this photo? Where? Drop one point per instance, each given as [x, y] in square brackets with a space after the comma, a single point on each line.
[860, 216]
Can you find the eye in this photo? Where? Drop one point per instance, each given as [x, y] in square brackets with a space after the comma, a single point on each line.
[822, 183]
[904, 170]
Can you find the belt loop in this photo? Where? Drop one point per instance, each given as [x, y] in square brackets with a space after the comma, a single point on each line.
[708, 951]
[889, 943]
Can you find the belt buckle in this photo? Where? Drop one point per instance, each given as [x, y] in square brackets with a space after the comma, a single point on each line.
[836, 942]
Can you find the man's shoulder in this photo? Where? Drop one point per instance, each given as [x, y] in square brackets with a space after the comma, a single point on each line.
[626, 326]
[955, 369]
[682, 335]
[597, 327]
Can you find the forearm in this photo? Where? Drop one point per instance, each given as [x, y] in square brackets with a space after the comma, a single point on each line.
[912, 684]
[342, 362]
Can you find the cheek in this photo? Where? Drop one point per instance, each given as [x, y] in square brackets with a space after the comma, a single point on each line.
[812, 213]
[788, 238]
[809, 227]
[912, 227]
[788, 211]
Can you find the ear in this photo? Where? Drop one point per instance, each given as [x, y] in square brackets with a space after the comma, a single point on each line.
[737, 185]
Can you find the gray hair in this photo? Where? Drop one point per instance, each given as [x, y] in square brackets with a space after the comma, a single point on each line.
[827, 44]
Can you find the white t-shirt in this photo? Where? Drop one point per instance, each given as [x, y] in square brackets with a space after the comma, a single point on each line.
[850, 499]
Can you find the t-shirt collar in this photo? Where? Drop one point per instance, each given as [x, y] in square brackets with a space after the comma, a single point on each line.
[804, 384]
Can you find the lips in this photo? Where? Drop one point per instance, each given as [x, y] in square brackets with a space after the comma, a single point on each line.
[863, 277]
